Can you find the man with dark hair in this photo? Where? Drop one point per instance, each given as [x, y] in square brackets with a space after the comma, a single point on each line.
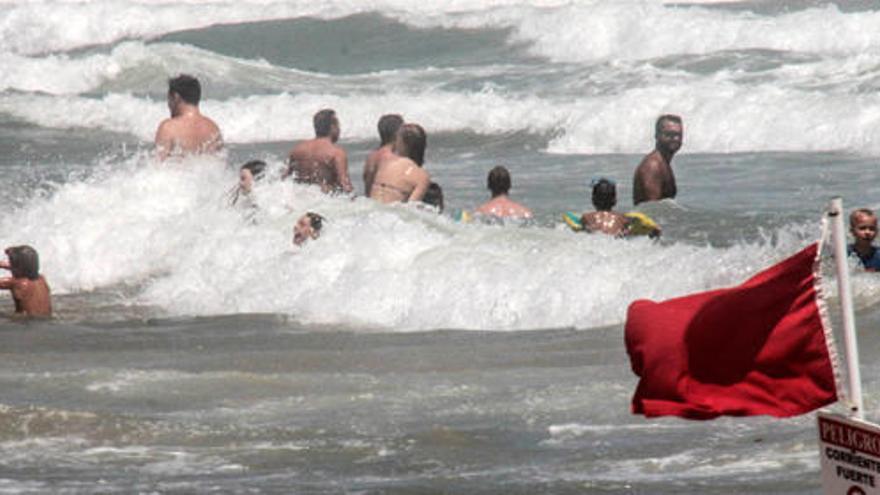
[653, 179]
[187, 131]
[30, 292]
[388, 126]
[320, 160]
[501, 205]
[402, 177]
[604, 219]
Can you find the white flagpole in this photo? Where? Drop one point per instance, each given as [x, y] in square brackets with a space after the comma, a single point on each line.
[838, 237]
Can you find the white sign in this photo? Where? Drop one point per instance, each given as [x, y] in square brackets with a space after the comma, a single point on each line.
[850, 455]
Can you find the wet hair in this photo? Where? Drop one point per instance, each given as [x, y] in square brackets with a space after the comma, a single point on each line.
[187, 87]
[604, 194]
[498, 181]
[658, 126]
[415, 140]
[24, 262]
[860, 211]
[323, 122]
[256, 167]
[388, 126]
[434, 196]
[315, 221]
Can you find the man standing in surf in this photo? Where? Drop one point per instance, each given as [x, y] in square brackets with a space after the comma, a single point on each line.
[388, 126]
[320, 160]
[654, 179]
[187, 131]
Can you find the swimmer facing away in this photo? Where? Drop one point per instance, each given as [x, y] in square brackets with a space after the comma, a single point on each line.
[29, 289]
[388, 126]
[187, 131]
[402, 178]
[501, 206]
[608, 221]
[320, 160]
[307, 227]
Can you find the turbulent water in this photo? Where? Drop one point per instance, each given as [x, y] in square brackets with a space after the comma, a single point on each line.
[196, 350]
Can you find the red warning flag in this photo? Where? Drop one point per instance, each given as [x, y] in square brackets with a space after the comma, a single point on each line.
[758, 348]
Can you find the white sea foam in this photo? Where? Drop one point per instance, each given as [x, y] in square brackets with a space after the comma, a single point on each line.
[375, 266]
[718, 117]
[559, 29]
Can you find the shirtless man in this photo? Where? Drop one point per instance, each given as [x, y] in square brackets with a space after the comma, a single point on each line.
[388, 126]
[501, 205]
[402, 178]
[604, 219]
[187, 131]
[654, 179]
[30, 292]
[319, 160]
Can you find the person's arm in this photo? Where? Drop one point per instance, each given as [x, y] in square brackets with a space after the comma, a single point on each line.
[5, 264]
[341, 163]
[7, 283]
[164, 140]
[649, 181]
[370, 168]
[291, 160]
[422, 182]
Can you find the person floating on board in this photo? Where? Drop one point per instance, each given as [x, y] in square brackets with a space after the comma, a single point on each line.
[434, 196]
[29, 289]
[388, 126]
[654, 179]
[501, 206]
[187, 131]
[402, 178]
[307, 227]
[249, 173]
[320, 160]
[863, 225]
[604, 219]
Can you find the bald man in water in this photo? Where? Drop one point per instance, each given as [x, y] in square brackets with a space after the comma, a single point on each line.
[187, 131]
[654, 179]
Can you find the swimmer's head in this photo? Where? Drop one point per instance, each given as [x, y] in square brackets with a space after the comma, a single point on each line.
[24, 262]
[498, 181]
[410, 142]
[604, 194]
[326, 124]
[434, 196]
[863, 225]
[250, 172]
[668, 132]
[307, 227]
[388, 126]
[186, 87]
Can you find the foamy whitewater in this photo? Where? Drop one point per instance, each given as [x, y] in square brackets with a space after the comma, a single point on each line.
[195, 349]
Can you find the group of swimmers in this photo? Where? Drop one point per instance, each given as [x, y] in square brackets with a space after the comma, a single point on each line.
[393, 172]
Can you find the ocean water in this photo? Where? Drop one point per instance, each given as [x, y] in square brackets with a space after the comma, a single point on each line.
[196, 351]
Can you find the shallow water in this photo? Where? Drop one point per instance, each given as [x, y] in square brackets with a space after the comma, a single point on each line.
[403, 352]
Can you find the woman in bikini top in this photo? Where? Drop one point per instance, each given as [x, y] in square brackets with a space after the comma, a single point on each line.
[402, 178]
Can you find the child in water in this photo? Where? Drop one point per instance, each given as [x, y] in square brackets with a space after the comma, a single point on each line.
[249, 173]
[30, 292]
[307, 227]
[863, 225]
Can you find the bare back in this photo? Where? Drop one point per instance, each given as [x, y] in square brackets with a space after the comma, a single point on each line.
[374, 161]
[504, 207]
[319, 161]
[400, 179]
[31, 297]
[606, 222]
[190, 133]
[653, 179]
